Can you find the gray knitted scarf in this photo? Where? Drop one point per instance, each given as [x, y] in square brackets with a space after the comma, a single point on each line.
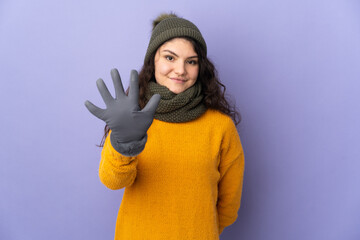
[176, 108]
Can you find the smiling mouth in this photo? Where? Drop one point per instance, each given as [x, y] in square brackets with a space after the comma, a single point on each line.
[178, 79]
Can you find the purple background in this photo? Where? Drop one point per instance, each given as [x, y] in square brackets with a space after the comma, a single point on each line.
[293, 68]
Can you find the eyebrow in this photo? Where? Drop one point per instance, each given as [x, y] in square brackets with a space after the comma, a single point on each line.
[176, 54]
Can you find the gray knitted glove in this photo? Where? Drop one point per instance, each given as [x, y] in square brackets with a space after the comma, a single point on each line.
[123, 116]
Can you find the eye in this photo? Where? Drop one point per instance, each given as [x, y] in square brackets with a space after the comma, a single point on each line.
[170, 58]
[192, 62]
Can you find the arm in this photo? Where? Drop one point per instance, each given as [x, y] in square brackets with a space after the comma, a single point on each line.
[116, 170]
[128, 134]
[231, 177]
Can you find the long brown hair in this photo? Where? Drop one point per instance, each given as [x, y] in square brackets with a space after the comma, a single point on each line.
[213, 89]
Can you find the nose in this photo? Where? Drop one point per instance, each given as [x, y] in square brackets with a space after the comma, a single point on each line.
[180, 68]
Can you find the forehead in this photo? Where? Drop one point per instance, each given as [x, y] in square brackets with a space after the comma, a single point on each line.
[179, 46]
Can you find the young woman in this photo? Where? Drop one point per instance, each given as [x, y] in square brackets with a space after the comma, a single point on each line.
[171, 141]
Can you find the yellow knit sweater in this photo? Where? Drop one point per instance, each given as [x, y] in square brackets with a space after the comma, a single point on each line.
[186, 184]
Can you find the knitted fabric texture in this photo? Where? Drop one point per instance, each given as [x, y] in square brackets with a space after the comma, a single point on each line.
[176, 108]
[186, 184]
[170, 28]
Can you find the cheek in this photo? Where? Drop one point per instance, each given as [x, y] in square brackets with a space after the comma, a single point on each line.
[162, 68]
[194, 73]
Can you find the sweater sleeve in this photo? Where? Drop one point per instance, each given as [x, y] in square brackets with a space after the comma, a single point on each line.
[116, 171]
[231, 177]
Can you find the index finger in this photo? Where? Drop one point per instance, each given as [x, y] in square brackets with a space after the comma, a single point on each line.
[134, 87]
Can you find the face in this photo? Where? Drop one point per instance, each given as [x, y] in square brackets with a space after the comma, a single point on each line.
[176, 65]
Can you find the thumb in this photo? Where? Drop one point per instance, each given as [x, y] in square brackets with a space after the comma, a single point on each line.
[96, 111]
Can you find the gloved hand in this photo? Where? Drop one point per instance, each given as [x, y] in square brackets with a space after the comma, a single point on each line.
[123, 116]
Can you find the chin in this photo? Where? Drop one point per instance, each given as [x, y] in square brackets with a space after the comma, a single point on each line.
[176, 91]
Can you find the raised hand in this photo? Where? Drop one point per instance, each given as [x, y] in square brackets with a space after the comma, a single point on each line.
[122, 114]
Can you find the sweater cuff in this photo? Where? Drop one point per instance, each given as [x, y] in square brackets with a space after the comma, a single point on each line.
[129, 149]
